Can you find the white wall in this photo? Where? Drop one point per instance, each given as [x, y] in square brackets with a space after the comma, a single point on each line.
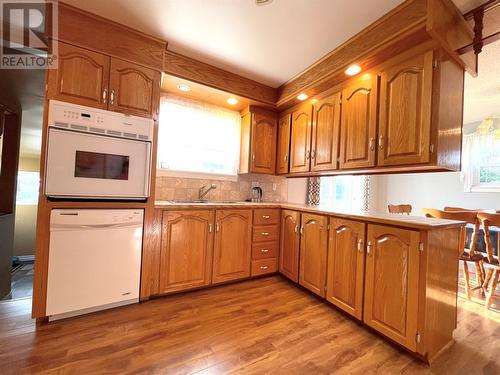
[432, 190]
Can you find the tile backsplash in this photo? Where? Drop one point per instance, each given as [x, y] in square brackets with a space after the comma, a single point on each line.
[274, 188]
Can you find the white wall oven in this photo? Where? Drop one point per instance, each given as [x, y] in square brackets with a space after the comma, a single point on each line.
[97, 154]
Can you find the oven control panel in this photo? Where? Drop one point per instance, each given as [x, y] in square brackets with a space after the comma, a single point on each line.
[98, 121]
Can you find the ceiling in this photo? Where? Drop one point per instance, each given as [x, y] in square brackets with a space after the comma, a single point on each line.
[482, 94]
[269, 44]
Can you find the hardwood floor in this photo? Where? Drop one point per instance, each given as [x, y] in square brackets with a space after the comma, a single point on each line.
[254, 327]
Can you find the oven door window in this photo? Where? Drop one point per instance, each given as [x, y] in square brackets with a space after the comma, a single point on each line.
[103, 166]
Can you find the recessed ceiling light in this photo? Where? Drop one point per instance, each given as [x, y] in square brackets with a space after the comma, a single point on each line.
[183, 87]
[302, 96]
[353, 70]
[232, 101]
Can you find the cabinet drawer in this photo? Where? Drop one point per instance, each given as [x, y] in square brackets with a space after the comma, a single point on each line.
[266, 233]
[263, 266]
[264, 216]
[262, 250]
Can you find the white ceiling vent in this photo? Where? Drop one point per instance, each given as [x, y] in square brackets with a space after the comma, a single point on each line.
[263, 2]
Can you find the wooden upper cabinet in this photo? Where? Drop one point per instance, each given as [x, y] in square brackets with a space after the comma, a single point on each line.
[405, 111]
[313, 253]
[300, 144]
[134, 89]
[391, 283]
[258, 141]
[290, 242]
[186, 250]
[359, 123]
[263, 143]
[81, 77]
[326, 133]
[232, 249]
[283, 153]
[346, 261]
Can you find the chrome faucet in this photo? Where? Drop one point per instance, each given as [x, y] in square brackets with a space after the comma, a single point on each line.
[204, 190]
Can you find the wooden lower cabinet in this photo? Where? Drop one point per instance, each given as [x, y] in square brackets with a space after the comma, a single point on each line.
[346, 261]
[391, 283]
[290, 243]
[186, 250]
[232, 249]
[313, 252]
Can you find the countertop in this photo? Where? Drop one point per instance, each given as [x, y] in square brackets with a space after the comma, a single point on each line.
[416, 222]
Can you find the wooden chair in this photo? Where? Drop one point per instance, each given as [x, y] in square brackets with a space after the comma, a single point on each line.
[466, 255]
[491, 263]
[399, 208]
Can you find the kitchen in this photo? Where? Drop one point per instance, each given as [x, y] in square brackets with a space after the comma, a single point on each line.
[184, 198]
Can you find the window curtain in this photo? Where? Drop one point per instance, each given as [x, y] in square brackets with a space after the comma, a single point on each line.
[477, 150]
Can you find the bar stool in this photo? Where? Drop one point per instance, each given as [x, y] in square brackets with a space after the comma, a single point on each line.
[490, 261]
[466, 255]
[399, 208]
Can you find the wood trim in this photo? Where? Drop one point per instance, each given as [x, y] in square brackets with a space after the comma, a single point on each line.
[96, 33]
[444, 16]
[9, 160]
[185, 67]
[491, 22]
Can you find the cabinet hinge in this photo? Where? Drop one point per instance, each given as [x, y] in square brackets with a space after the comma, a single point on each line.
[328, 227]
[431, 148]
[421, 247]
[418, 337]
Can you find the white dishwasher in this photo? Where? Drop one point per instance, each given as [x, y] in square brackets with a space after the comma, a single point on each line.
[94, 260]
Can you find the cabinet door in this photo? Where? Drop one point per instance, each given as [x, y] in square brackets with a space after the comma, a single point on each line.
[290, 241]
[391, 283]
[282, 163]
[263, 143]
[313, 253]
[134, 89]
[358, 123]
[232, 250]
[405, 112]
[346, 258]
[82, 77]
[186, 250]
[300, 147]
[326, 133]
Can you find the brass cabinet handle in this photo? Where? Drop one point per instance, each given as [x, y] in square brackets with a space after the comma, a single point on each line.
[302, 230]
[369, 248]
[112, 97]
[209, 228]
[313, 154]
[217, 227]
[264, 251]
[104, 95]
[296, 228]
[360, 245]
[264, 267]
[308, 155]
[381, 142]
[265, 233]
[285, 157]
[372, 143]
[253, 155]
[266, 216]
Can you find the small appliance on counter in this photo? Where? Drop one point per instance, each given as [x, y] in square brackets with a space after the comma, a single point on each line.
[97, 154]
[256, 194]
[94, 260]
